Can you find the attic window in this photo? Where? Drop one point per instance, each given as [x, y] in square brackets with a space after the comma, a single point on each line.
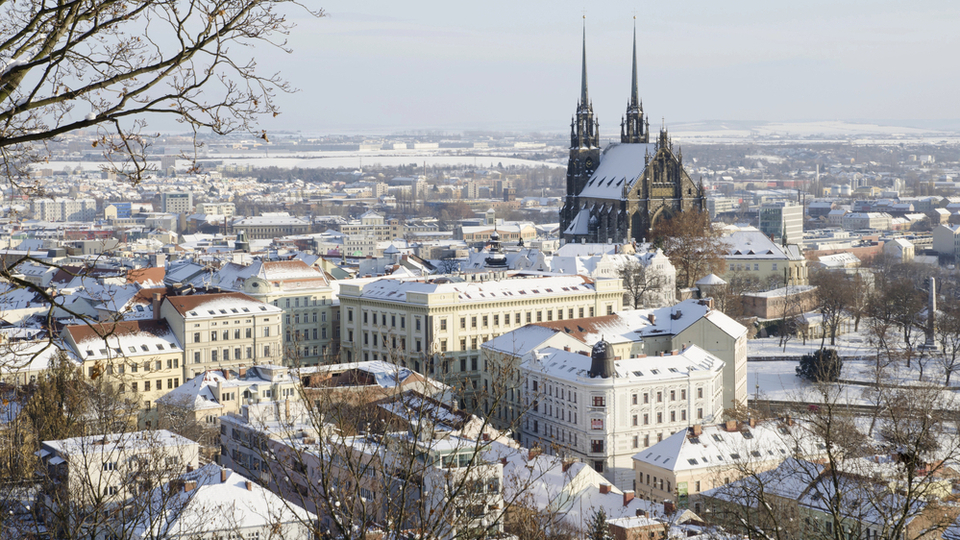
[755, 453]
[549, 290]
[133, 349]
[746, 434]
[160, 346]
[674, 370]
[692, 461]
[140, 308]
[655, 371]
[246, 310]
[695, 440]
[263, 308]
[223, 311]
[638, 373]
[145, 348]
[734, 456]
[210, 311]
[717, 437]
[89, 353]
[103, 351]
[234, 310]
[193, 313]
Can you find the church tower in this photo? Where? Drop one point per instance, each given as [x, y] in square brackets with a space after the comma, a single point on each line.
[634, 128]
[584, 145]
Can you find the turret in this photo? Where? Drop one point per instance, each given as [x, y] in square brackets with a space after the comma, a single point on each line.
[633, 127]
[602, 359]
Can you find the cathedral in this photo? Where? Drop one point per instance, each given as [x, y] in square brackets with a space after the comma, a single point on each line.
[618, 194]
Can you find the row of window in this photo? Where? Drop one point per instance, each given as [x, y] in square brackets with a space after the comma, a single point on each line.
[307, 302]
[296, 317]
[225, 334]
[217, 355]
[659, 395]
[134, 387]
[172, 363]
[297, 335]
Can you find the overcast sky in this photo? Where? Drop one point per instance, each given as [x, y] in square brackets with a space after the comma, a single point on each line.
[383, 66]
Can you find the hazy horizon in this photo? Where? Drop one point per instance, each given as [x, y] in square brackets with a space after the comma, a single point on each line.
[382, 66]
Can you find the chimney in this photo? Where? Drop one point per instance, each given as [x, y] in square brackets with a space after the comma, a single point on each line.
[565, 465]
[486, 437]
[668, 507]
[249, 485]
[731, 425]
[641, 513]
[697, 430]
[652, 318]
[189, 468]
[789, 421]
[223, 475]
[566, 348]
[627, 497]
[753, 422]
[226, 374]
[155, 304]
[585, 353]
[189, 486]
[242, 371]
[534, 452]
[503, 461]
[604, 489]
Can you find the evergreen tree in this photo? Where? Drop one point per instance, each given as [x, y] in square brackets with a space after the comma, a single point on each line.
[598, 529]
[823, 365]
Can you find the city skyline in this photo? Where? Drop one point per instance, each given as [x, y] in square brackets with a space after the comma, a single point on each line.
[380, 66]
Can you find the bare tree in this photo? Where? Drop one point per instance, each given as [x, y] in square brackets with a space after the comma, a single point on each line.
[693, 244]
[639, 282]
[109, 65]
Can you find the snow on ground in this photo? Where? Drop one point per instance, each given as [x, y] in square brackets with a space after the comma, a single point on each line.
[777, 380]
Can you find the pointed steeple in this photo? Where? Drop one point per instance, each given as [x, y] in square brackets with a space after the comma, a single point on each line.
[584, 98]
[634, 131]
[587, 128]
[634, 91]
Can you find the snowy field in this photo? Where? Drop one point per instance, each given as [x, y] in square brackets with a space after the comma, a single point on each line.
[777, 380]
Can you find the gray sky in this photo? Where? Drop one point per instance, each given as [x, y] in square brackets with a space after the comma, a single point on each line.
[381, 66]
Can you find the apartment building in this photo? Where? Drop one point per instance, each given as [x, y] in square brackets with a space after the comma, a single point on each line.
[271, 225]
[225, 209]
[111, 468]
[436, 327]
[304, 293]
[374, 473]
[603, 409]
[176, 202]
[64, 209]
[782, 221]
[224, 330]
[212, 394]
[750, 253]
[142, 359]
[702, 457]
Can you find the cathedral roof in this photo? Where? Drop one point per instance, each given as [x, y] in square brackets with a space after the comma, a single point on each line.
[580, 224]
[619, 164]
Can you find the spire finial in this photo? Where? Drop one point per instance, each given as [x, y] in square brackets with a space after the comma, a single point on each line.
[583, 75]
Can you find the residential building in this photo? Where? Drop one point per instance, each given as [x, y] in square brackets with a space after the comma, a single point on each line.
[860, 221]
[899, 249]
[702, 457]
[436, 327]
[632, 334]
[750, 253]
[602, 409]
[304, 293]
[213, 502]
[946, 241]
[212, 394]
[448, 465]
[63, 209]
[782, 221]
[142, 359]
[112, 468]
[224, 330]
[271, 225]
[225, 209]
[176, 202]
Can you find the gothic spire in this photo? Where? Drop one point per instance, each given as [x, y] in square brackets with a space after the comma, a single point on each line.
[634, 92]
[584, 101]
[634, 131]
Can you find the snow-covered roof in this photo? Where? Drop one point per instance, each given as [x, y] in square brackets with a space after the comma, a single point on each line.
[574, 366]
[711, 279]
[717, 447]
[396, 290]
[218, 505]
[620, 165]
[220, 304]
[127, 339]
